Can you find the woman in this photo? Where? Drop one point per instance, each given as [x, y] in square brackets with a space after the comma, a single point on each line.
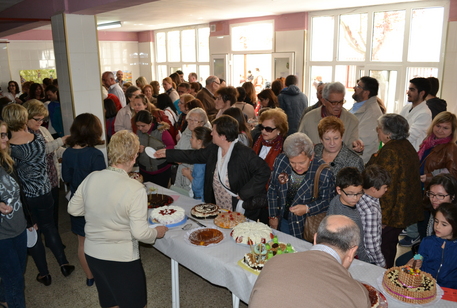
[246, 108]
[438, 151]
[29, 153]
[194, 88]
[156, 136]
[37, 112]
[141, 82]
[148, 92]
[225, 98]
[13, 237]
[79, 160]
[267, 99]
[125, 86]
[124, 116]
[233, 171]
[13, 92]
[195, 118]
[290, 194]
[400, 203]
[166, 105]
[274, 128]
[36, 92]
[170, 88]
[115, 222]
[140, 102]
[155, 88]
[332, 148]
[244, 133]
[278, 85]
[250, 93]
[181, 124]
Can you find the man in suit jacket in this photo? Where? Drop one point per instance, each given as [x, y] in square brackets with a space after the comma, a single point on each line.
[206, 96]
[315, 278]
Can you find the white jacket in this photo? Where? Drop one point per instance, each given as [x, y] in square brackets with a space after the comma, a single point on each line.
[419, 120]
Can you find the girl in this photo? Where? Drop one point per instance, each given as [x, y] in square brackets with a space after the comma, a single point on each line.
[79, 161]
[201, 138]
[439, 251]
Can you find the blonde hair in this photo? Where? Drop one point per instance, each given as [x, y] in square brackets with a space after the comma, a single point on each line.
[15, 116]
[36, 108]
[445, 117]
[123, 147]
[141, 82]
[170, 81]
[187, 98]
[5, 158]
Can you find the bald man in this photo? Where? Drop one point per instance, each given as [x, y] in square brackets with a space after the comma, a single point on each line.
[112, 87]
[120, 78]
[315, 278]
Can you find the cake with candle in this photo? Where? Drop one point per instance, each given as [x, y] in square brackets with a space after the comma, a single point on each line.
[167, 215]
[261, 253]
[409, 284]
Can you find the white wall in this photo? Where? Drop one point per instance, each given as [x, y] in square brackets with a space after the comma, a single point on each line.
[116, 56]
[448, 88]
[293, 41]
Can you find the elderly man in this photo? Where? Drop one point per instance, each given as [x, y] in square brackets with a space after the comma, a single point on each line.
[113, 87]
[206, 96]
[315, 278]
[193, 77]
[332, 105]
[120, 78]
[367, 111]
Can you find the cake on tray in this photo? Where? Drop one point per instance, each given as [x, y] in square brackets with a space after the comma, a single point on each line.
[167, 215]
[205, 210]
[228, 220]
[251, 233]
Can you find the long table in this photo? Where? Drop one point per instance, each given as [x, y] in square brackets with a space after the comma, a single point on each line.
[218, 264]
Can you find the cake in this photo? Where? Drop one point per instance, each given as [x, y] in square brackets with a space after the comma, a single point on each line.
[373, 294]
[158, 200]
[229, 220]
[261, 253]
[251, 233]
[206, 236]
[136, 176]
[167, 215]
[205, 210]
[409, 285]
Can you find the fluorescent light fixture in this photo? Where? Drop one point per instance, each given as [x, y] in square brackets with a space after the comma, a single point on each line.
[109, 25]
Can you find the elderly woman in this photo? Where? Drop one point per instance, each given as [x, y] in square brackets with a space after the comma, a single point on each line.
[233, 171]
[274, 127]
[196, 118]
[332, 148]
[115, 222]
[290, 194]
[400, 203]
[124, 116]
[28, 151]
[225, 98]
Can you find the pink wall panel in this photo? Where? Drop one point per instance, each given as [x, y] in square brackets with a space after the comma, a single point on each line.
[453, 10]
[146, 36]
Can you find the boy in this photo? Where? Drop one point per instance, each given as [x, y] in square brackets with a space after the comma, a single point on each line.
[375, 183]
[349, 189]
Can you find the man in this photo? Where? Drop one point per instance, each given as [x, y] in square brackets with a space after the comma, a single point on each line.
[113, 87]
[367, 111]
[181, 75]
[434, 103]
[120, 78]
[193, 77]
[293, 102]
[417, 113]
[206, 96]
[315, 278]
[332, 105]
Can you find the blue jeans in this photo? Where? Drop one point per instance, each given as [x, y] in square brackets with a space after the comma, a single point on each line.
[284, 226]
[13, 257]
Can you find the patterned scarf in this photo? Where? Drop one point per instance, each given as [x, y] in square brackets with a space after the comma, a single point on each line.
[431, 142]
[276, 148]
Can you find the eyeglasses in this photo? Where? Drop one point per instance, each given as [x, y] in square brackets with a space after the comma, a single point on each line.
[337, 102]
[3, 135]
[353, 195]
[193, 120]
[358, 87]
[218, 83]
[39, 120]
[266, 128]
[437, 196]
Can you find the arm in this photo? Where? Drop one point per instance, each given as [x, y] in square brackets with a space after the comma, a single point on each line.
[372, 231]
[260, 174]
[168, 140]
[198, 182]
[189, 156]
[98, 161]
[67, 172]
[76, 204]
[138, 218]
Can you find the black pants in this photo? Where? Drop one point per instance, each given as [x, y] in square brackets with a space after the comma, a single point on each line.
[389, 244]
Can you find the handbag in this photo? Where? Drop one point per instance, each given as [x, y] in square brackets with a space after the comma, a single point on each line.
[312, 222]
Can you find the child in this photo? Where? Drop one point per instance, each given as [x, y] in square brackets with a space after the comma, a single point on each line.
[375, 182]
[80, 159]
[201, 138]
[439, 251]
[349, 189]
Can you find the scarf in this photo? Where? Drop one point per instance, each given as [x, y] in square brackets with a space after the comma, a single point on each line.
[276, 148]
[431, 142]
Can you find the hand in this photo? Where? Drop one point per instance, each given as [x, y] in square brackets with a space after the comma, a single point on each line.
[161, 231]
[299, 209]
[162, 153]
[274, 223]
[5, 209]
[423, 178]
[141, 150]
[186, 172]
[64, 139]
[418, 263]
[358, 146]
[178, 136]
[35, 226]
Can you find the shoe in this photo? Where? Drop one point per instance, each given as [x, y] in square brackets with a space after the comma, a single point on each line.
[67, 269]
[90, 282]
[409, 241]
[403, 232]
[46, 280]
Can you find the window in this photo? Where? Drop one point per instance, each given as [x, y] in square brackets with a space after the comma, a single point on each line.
[252, 36]
[393, 43]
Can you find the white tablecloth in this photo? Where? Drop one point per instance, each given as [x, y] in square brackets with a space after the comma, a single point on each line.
[218, 264]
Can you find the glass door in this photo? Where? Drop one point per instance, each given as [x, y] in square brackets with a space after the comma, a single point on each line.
[219, 65]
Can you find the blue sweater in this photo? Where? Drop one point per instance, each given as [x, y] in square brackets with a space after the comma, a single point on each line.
[435, 256]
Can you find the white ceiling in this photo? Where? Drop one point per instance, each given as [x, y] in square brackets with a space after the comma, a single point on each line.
[177, 13]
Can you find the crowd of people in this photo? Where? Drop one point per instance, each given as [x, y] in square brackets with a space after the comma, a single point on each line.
[265, 152]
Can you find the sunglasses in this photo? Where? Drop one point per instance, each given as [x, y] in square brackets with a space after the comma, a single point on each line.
[266, 128]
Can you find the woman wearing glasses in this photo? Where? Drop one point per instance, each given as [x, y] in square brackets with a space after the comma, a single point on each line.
[290, 194]
[400, 203]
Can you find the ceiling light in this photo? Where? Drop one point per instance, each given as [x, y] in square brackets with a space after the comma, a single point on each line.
[109, 25]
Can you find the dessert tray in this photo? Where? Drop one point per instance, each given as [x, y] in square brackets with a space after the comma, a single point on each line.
[204, 237]
[154, 224]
